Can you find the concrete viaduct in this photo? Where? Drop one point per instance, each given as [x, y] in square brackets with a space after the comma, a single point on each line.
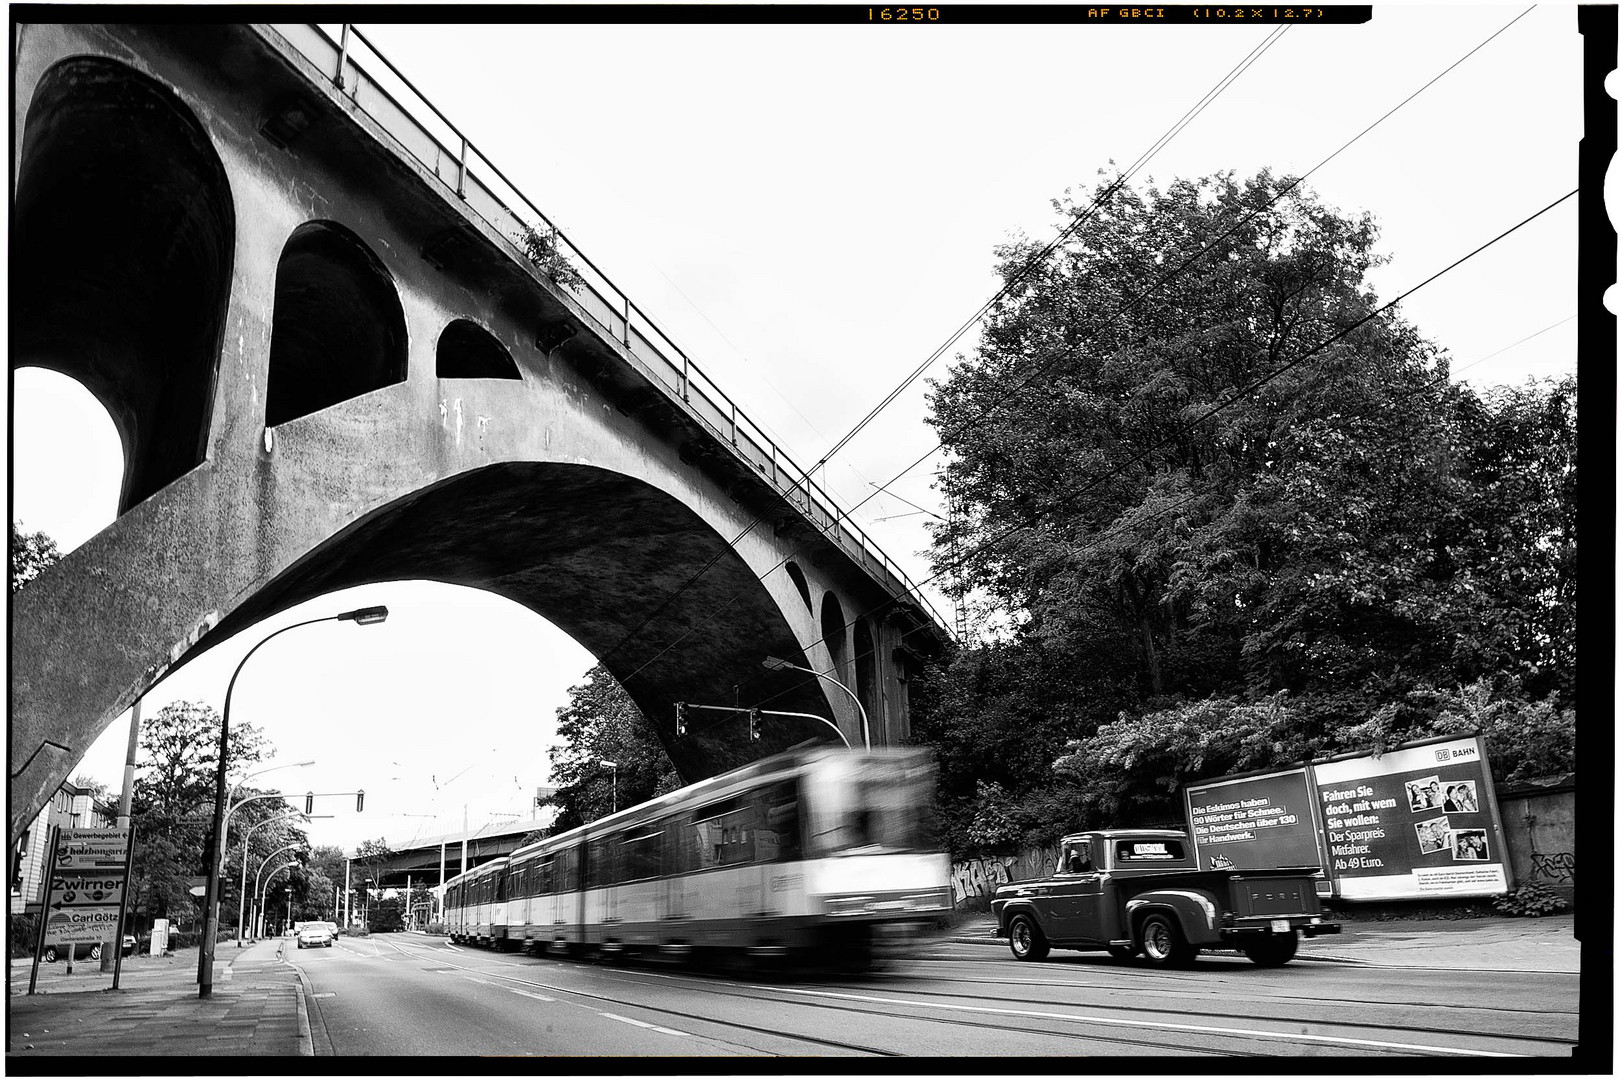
[306, 303]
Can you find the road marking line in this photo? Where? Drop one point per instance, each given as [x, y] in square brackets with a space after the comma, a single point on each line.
[527, 994]
[644, 1024]
[1109, 1021]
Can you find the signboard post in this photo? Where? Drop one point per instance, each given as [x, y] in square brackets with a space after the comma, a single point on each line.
[85, 891]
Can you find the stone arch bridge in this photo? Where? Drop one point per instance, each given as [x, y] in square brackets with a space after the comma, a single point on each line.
[306, 303]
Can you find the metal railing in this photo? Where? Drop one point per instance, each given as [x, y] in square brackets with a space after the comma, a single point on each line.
[427, 135]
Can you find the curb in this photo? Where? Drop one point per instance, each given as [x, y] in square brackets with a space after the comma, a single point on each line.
[306, 1039]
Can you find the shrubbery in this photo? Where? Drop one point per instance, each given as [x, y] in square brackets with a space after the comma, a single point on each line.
[1533, 899]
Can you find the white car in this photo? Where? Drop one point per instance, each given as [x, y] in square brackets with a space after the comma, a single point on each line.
[314, 933]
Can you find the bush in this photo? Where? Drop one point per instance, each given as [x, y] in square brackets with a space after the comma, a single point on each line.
[435, 928]
[24, 931]
[1532, 899]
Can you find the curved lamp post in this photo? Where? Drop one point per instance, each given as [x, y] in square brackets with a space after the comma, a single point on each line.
[205, 959]
[261, 886]
[776, 664]
[241, 900]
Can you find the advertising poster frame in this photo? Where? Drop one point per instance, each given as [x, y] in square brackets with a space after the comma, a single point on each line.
[1385, 819]
[1367, 809]
[1214, 856]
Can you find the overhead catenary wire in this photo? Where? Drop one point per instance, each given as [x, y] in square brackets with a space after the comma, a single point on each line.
[1028, 268]
[1043, 368]
[1240, 394]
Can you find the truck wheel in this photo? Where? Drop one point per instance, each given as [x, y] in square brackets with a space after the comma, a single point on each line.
[50, 954]
[1121, 952]
[1026, 939]
[1163, 943]
[95, 952]
[1273, 950]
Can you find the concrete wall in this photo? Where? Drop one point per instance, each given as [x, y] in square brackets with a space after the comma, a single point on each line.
[1538, 823]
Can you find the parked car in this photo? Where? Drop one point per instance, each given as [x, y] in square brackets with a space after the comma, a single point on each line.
[1130, 891]
[53, 953]
[311, 934]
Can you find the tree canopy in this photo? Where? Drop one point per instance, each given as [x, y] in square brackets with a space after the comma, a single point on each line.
[599, 724]
[1228, 518]
[31, 553]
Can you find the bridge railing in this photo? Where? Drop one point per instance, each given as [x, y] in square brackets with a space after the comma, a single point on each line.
[421, 130]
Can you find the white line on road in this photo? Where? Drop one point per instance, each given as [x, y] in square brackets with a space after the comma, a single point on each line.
[644, 1024]
[1110, 1021]
[527, 994]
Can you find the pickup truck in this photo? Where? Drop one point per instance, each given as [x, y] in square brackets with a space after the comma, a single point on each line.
[1130, 891]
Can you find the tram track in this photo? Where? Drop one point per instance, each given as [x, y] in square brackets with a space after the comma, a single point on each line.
[857, 1000]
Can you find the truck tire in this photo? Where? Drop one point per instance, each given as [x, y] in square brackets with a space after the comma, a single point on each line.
[1026, 939]
[1273, 950]
[50, 954]
[1163, 943]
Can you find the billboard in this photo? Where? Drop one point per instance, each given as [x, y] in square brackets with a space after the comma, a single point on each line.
[1418, 821]
[1252, 822]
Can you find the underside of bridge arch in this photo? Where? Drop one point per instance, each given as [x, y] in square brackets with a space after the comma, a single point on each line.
[604, 557]
[122, 244]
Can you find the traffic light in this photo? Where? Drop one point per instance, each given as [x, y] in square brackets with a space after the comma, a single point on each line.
[359, 800]
[309, 802]
[753, 723]
[680, 718]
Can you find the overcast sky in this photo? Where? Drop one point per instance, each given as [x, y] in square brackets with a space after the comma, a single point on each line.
[810, 212]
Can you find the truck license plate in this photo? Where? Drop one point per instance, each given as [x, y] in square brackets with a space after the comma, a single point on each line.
[1279, 926]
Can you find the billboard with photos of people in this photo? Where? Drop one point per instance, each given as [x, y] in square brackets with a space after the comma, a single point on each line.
[1417, 821]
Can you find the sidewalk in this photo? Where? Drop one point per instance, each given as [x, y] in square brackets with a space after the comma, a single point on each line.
[1495, 944]
[257, 1007]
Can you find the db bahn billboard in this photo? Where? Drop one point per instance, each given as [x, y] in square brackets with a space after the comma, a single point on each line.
[1418, 821]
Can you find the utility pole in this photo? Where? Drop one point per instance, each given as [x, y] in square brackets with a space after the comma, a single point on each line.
[110, 950]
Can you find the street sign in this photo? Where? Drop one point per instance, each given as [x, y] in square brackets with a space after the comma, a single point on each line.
[86, 890]
[82, 926]
[92, 849]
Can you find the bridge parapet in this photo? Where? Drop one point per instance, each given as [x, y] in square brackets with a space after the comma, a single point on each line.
[426, 135]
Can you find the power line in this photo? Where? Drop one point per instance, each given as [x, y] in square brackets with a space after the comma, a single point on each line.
[1034, 518]
[1009, 284]
[1515, 345]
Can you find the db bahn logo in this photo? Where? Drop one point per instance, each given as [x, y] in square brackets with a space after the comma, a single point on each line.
[1442, 755]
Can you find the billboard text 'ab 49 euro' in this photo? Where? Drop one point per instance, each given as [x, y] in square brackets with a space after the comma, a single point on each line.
[1418, 821]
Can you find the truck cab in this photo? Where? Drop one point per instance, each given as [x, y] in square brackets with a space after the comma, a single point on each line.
[1130, 891]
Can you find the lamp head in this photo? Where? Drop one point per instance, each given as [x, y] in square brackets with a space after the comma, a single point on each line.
[608, 764]
[775, 664]
[367, 615]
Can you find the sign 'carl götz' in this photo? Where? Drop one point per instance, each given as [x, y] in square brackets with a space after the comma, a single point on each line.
[1420, 820]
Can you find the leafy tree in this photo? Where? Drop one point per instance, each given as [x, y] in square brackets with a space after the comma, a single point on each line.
[601, 723]
[387, 915]
[1227, 515]
[173, 799]
[31, 554]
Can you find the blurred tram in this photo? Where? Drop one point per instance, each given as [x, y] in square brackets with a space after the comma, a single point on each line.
[824, 853]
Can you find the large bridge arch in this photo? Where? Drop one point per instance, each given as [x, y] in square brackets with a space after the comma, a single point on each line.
[593, 463]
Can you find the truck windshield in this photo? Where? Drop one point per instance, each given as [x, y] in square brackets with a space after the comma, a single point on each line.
[870, 805]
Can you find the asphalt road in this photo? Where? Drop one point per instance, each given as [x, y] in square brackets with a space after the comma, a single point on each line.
[401, 994]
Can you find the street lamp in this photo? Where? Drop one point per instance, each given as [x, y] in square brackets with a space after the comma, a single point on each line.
[259, 877]
[241, 900]
[775, 664]
[614, 766]
[205, 959]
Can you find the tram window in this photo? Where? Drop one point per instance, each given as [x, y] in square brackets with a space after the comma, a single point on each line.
[638, 857]
[777, 839]
[726, 840]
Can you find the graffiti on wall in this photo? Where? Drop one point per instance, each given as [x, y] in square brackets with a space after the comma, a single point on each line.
[975, 879]
[1556, 866]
